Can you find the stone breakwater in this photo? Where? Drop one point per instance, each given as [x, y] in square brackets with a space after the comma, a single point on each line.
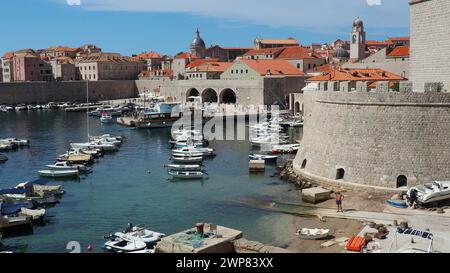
[287, 173]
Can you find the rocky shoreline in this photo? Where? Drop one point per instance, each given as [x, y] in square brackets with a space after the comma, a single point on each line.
[286, 172]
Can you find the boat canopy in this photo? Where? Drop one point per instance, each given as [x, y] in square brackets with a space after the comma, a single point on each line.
[11, 209]
[13, 191]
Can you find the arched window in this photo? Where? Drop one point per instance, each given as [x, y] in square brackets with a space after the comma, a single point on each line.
[340, 174]
[402, 181]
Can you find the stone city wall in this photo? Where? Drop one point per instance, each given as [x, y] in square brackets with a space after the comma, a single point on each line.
[374, 138]
[75, 91]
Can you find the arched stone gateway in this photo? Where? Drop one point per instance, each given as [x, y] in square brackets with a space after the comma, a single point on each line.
[209, 95]
[228, 96]
[192, 93]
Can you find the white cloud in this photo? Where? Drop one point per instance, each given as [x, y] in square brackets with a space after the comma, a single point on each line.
[277, 13]
[374, 2]
[73, 2]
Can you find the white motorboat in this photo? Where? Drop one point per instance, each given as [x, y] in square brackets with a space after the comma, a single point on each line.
[6, 146]
[187, 154]
[16, 141]
[313, 233]
[21, 108]
[428, 193]
[189, 150]
[65, 166]
[95, 145]
[285, 149]
[106, 118]
[106, 140]
[176, 167]
[56, 174]
[186, 175]
[117, 243]
[187, 159]
[150, 238]
[266, 158]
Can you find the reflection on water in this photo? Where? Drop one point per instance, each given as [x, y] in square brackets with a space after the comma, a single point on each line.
[131, 185]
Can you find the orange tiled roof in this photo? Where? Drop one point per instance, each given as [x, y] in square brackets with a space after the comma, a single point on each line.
[265, 51]
[377, 43]
[186, 55]
[399, 51]
[148, 55]
[274, 67]
[8, 55]
[296, 52]
[199, 62]
[372, 74]
[398, 39]
[214, 67]
[63, 49]
[326, 68]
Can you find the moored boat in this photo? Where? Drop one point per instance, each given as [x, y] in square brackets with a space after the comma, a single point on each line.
[428, 193]
[266, 158]
[186, 175]
[65, 166]
[176, 167]
[187, 159]
[58, 174]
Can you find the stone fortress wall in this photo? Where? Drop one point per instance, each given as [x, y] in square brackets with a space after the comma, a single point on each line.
[376, 138]
[44, 92]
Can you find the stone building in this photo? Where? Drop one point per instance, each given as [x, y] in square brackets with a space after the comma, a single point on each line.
[109, 66]
[7, 65]
[64, 69]
[271, 43]
[198, 46]
[208, 70]
[384, 138]
[429, 49]
[29, 67]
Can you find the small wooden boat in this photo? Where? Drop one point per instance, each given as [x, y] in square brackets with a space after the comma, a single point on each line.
[176, 167]
[313, 234]
[186, 175]
[76, 159]
[185, 159]
[56, 174]
[8, 223]
[266, 158]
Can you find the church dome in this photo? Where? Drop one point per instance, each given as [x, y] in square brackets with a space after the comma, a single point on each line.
[198, 41]
[341, 53]
[358, 22]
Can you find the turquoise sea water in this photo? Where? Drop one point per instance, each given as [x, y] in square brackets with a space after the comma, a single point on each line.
[131, 185]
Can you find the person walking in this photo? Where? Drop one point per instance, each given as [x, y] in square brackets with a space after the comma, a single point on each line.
[339, 199]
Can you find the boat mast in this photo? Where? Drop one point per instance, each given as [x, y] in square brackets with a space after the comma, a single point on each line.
[87, 108]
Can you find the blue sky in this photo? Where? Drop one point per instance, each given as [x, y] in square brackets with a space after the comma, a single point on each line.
[168, 26]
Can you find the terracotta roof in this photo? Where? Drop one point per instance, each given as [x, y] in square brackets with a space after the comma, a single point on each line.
[374, 85]
[399, 51]
[186, 55]
[377, 43]
[63, 49]
[105, 57]
[399, 39]
[199, 62]
[274, 67]
[148, 55]
[265, 51]
[8, 55]
[326, 68]
[296, 52]
[372, 74]
[289, 41]
[213, 67]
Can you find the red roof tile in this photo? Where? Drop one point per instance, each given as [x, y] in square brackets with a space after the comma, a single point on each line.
[213, 67]
[373, 74]
[148, 55]
[296, 53]
[399, 51]
[199, 62]
[273, 67]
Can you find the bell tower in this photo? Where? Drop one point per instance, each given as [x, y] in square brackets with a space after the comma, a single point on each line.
[358, 41]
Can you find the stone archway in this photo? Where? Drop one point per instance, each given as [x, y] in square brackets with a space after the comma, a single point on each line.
[209, 95]
[192, 93]
[228, 96]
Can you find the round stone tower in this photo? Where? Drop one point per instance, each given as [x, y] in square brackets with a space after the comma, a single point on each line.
[384, 138]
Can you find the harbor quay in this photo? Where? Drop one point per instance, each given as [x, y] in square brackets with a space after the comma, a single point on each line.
[279, 147]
